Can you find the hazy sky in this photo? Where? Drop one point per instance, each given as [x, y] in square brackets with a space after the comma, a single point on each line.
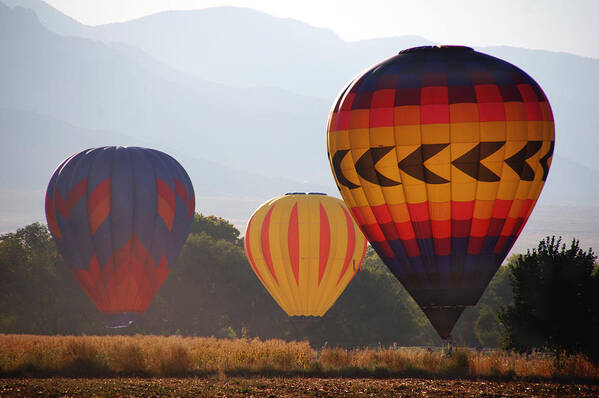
[557, 25]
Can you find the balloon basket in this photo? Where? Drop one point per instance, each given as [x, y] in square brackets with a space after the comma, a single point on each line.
[448, 346]
[121, 319]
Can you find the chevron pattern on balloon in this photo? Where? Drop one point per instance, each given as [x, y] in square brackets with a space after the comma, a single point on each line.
[470, 163]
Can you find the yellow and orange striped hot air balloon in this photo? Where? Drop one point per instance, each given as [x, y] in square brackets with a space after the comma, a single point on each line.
[304, 248]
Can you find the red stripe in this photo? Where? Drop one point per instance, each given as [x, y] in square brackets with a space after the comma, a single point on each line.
[265, 242]
[381, 117]
[165, 205]
[419, 211]
[166, 192]
[351, 242]
[98, 205]
[51, 218]
[434, 114]
[246, 242]
[491, 112]
[98, 194]
[188, 199]
[293, 243]
[325, 243]
[63, 206]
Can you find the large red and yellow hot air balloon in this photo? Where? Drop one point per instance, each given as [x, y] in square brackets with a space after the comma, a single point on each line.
[304, 248]
[119, 217]
[440, 153]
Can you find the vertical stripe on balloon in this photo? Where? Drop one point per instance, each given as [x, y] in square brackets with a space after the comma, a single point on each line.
[324, 246]
[51, 217]
[293, 242]
[165, 203]
[185, 196]
[265, 242]
[98, 205]
[351, 242]
[248, 249]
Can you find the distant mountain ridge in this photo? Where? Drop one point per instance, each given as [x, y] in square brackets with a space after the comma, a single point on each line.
[247, 48]
[115, 88]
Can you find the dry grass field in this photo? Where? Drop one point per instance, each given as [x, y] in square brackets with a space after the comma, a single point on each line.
[176, 356]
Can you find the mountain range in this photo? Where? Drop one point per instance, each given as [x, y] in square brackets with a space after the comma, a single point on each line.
[241, 98]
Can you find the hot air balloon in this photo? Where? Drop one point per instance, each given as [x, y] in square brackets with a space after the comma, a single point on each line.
[119, 217]
[304, 248]
[440, 153]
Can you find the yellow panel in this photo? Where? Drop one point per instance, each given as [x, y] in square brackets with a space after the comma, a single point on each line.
[535, 130]
[280, 252]
[415, 193]
[408, 135]
[373, 193]
[256, 222]
[487, 190]
[438, 192]
[382, 136]
[516, 130]
[359, 138]
[435, 133]
[394, 195]
[463, 192]
[507, 189]
[359, 197]
[492, 131]
[338, 140]
[464, 132]
[548, 131]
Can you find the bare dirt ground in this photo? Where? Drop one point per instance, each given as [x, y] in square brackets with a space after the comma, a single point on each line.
[285, 387]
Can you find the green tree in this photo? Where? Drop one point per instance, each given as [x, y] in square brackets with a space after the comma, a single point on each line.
[479, 326]
[556, 303]
[216, 227]
[38, 294]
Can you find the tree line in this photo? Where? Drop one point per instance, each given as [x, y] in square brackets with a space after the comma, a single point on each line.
[212, 291]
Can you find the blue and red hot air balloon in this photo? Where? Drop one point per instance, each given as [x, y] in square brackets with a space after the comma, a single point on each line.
[120, 216]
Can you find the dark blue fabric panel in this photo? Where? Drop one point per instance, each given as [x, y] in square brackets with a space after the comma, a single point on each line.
[79, 215]
[444, 269]
[489, 244]
[459, 245]
[145, 197]
[161, 234]
[399, 250]
[100, 171]
[181, 225]
[417, 268]
[122, 199]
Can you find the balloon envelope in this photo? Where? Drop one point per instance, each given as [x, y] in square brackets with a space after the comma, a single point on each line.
[440, 153]
[305, 249]
[119, 217]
